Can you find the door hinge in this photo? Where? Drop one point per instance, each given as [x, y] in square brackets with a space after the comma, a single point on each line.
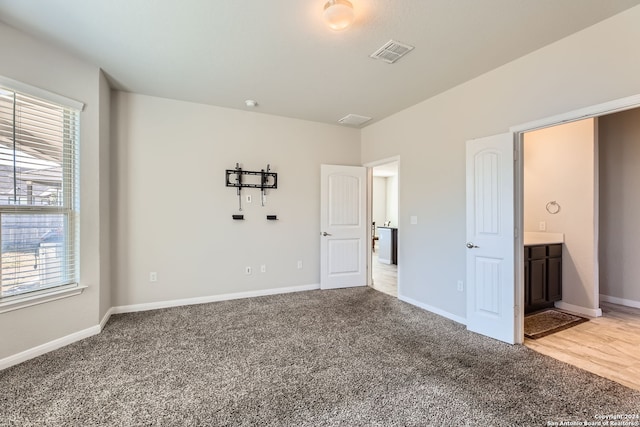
[515, 232]
[515, 155]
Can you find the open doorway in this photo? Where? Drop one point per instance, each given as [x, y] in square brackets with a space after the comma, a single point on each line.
[384, 228]
[598, 112]
[560, 209]
[580, 188]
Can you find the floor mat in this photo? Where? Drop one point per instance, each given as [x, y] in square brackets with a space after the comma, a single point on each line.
[543, 323]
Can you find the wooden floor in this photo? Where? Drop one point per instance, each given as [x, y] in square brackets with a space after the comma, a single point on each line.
[385, 277]
[608, 346]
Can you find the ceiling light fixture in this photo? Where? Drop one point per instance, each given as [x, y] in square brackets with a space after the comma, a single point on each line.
[338, 14]
[250, 103]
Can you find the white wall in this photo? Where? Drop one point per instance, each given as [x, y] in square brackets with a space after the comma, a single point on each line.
[379, 205]
[590, 67]
[619, 149]
[559, 165]
[392, 200]
[39, 64]
[172, 211]
[385, 200]
[105, 196]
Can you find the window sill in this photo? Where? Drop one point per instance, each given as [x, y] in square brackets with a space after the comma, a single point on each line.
[22, 301]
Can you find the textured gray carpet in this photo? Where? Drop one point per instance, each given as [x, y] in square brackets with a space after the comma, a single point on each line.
[344, 357]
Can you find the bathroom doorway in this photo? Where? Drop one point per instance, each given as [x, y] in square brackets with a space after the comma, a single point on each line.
[560, 209]
[603, 281]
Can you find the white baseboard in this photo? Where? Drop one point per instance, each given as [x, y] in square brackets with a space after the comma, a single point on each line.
[77, 336]
[212, 298]
[105, 318]
[47, 347]
[620, 301]
[592, 312]
[432, 309]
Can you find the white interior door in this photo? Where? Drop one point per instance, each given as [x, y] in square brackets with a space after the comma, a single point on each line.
[343, 227]
[490, 237]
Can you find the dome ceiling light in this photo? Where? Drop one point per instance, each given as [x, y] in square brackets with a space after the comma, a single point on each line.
[338, 14]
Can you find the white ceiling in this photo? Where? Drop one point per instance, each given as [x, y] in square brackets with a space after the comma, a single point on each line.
[280, 53]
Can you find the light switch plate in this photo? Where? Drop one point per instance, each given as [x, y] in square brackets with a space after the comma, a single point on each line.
[414, 219]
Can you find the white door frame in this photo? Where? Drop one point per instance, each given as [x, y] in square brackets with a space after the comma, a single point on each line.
[370, 166]
[592, 111]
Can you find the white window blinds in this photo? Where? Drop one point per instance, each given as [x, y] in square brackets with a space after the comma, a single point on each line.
[38, 193]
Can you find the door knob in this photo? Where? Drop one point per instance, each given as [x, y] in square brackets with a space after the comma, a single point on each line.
[470, 245]
[324, 233]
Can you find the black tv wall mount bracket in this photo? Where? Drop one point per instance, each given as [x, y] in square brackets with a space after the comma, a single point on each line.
[235, 178]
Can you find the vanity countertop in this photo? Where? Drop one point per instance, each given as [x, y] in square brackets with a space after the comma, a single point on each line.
[532, 238]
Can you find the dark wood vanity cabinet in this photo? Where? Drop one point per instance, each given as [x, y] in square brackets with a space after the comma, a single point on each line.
[542, 276]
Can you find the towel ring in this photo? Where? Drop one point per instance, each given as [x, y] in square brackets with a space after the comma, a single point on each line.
[553, 207]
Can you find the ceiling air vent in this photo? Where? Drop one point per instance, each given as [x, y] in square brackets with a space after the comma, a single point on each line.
[354, 120]
[391, 51]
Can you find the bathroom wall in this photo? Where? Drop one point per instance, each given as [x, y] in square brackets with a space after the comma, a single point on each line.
[559, 165]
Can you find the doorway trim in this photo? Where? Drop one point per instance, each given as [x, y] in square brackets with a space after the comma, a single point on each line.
[518, 131]
[370, 166]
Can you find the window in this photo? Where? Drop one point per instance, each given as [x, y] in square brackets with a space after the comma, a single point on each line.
[39, 175]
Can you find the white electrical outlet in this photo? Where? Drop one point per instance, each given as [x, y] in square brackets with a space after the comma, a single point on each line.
[299, 265]
[247, 270]
[248, 199]
[542, 226]
[263, 268]
[153, 276]
[460, 286]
